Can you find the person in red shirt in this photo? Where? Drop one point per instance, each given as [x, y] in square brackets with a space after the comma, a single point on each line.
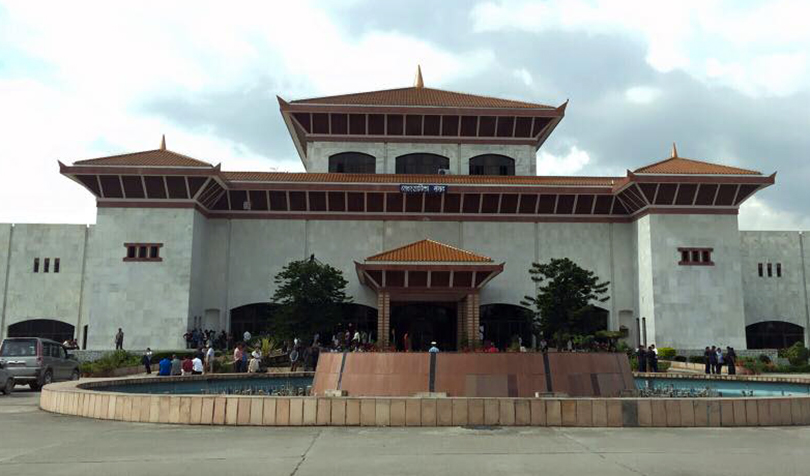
[187, 366]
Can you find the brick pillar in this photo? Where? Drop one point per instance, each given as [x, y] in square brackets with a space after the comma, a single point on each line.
[476, 318]
[469, 320]
[383, 318]
[460, 329]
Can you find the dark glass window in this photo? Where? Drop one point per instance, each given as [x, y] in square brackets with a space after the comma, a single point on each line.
[47, 265]
[492, 164]
[684, 256]
[131, 251]
[141, 252]
[36, 265]
[706, 256]
[153, 252]
[770, 270]
[696, 256]
[778, 270]
[352, 163]
[421, 163]
[759, 269]
[56, 265]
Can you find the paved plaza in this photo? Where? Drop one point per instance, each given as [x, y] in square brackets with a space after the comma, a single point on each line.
[36, 442]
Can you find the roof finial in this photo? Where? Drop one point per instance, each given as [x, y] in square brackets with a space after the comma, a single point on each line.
[674, 152]
[163, 142]
[418, 83]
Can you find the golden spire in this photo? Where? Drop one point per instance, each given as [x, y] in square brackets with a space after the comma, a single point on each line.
[163, 142]
[674, 152]
[418, 83]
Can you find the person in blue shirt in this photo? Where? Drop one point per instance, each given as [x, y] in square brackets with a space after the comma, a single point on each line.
[165, 367]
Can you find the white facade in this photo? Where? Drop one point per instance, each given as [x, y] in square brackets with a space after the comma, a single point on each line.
[211, 266]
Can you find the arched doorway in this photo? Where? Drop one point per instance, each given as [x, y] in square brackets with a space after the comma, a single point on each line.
[505, 324]
[43, 328]
[253, 318]
[424, 322]
[773, 335]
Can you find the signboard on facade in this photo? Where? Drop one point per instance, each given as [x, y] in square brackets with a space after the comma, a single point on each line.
[422, 188]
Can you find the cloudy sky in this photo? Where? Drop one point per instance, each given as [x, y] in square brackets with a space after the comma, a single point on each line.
[729, 81]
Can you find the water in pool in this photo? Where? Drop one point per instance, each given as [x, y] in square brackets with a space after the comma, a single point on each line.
[723, 388]
[237, 385]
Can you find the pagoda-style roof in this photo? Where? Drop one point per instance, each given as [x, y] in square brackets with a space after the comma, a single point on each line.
[676, 165]
[161, 157]
[428, 251]
[421, 96]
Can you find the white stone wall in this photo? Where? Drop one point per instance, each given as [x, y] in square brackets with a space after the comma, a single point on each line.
[645, 291]
[774, 298]
[318, 154]
[5, 237]
[695, 306]
[41, 295]
[148, 300]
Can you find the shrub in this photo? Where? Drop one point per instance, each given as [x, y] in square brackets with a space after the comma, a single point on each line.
[666, 353]
[797, 354]
[757, 365]
[679, 358]
[697, 359]
[110, 362]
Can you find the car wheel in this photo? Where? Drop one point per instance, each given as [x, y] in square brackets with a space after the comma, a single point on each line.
[47, 378]
[9, 386]
[75, 375]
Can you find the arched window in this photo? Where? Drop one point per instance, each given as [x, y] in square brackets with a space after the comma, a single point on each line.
[421, 163]
[352, 163]
[492, 164]
[773, 335]
[44, 328]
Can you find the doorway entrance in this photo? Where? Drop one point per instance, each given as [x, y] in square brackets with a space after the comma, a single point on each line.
[424, 322]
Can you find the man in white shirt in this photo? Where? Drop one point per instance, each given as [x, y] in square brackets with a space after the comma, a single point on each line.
[209, 359]
[197, 366]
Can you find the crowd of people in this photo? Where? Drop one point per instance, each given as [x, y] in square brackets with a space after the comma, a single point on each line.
[715, 359]
[196, 338]
[647, 358]
[196, 364]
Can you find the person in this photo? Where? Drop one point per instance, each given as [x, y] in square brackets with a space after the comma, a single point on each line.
[237, 358]
[406, 342]
[719, 365]
[209, 358]
[707, 360]
[713, 360]
[641, 355]
[543, 345]
[146, 360]
[119, 340]
[197, 366]
[731, 360]
[433, 349]
[176, 365]
[246, 337]
[655, 350]
[294, 356]
[569, 345]
[165, 367]
[652, 360]
[253, 366]
[187, 366]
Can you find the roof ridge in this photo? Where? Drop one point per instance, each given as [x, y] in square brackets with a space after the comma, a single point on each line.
[414, 88]
[703, 162]
[150, 151]
[457, 248]
[430, 241]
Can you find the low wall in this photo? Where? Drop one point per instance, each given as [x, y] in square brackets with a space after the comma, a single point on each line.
[68, 398]
[519, 374]
[675, 365]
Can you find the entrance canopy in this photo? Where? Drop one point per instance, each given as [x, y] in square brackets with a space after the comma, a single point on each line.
[427, 271]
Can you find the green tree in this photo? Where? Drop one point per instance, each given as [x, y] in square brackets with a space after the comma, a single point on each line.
[564, 296]
[309, 294]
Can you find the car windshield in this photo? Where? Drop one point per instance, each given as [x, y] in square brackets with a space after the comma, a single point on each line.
[19, 348]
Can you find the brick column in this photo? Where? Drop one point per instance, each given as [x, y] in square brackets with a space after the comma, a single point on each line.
[383, 318]
[476, 318]
[460, 326]
[469, 319]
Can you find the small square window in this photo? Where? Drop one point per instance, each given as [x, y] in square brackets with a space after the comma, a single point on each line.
[36, 265]
[153, 252]
[759, 269]
[770, 270]
[131, 251]
[56, 265]
[778, 270]
[47, 265]
[142, 252]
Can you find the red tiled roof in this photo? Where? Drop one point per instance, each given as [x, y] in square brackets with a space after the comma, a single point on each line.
[433, 179]
[153, 158]
[430, 251]
[415, 96]
[681, 166]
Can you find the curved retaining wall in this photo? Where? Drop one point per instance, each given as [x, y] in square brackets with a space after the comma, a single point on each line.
[518, 374]
[86, 399]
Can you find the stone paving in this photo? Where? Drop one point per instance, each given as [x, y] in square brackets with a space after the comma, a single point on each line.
[37, 442]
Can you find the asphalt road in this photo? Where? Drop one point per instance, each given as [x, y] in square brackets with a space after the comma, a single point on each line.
[33, 442]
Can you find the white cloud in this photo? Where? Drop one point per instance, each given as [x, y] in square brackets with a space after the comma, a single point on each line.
[756, 214]
[642, 94]
[757, 49]
[524, 75]
[569, 164]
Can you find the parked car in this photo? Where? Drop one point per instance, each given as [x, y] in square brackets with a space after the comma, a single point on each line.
[6, 380]
[36, 362]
